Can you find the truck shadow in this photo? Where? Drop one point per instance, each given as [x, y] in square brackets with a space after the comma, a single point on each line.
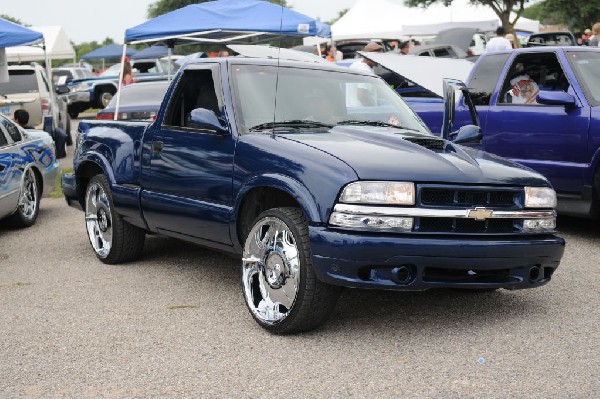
[437, 311]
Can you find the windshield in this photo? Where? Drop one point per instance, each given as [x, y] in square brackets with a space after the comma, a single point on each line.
[318, 98]
[586, 66]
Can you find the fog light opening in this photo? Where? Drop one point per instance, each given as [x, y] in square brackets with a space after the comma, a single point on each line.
[534, 274]
[402, 275]
[548, 271]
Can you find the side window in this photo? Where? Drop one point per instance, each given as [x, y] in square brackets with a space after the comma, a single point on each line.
[12, 130]
[195, 90]
[442, 52]
[3, 140]
[530, 73]
[485, 76]
[425, 54]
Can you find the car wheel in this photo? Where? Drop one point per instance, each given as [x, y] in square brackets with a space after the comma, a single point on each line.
[113, 239]
[279, 285]
[105, 98]
[68, 131]
[29, 201]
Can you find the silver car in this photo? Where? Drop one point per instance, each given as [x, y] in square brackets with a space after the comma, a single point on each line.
[28, 171]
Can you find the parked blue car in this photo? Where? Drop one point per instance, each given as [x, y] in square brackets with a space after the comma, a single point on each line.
[28, 171]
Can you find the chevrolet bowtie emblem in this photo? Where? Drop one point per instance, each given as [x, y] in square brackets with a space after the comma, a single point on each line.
[479, 213]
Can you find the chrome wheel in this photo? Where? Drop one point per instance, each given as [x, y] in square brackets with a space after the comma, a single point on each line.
[98, 219]
[28, 200]
[270, 270]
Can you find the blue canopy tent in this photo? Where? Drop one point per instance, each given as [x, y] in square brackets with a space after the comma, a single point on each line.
[151, 52]
[12, 34]
[226, 21]
[110, 51]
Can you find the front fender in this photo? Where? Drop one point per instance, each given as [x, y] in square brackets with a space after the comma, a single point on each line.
[292, 187]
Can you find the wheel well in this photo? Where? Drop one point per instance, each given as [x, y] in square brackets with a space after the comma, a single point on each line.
[40, 181]
[85, 172]
[257, 201]
[106, 88]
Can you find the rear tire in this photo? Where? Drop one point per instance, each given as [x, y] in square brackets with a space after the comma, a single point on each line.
[279, 285]
[68, 131]
[113, 239]
[28, 206]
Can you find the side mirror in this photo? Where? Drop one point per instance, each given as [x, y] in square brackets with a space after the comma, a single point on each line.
[202, 118]
[468, 134]
[62, 89]
[555, 98]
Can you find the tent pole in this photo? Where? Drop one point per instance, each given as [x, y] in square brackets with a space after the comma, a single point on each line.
[51, 84]
[169, 66]
[115, 117]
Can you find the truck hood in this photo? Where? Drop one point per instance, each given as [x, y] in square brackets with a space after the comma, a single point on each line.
[391, 154]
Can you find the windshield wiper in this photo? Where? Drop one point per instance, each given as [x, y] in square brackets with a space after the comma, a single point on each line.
[376, 123]
[297, 123]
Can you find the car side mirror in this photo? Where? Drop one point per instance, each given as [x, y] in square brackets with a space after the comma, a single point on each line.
[555, 98]
[468, 134]
[202, 118]
[62, 89]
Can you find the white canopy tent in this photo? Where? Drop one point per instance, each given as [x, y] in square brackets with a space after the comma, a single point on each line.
[58, 46]
[382, 19]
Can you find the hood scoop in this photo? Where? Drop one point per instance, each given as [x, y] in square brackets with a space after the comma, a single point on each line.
[437, 145]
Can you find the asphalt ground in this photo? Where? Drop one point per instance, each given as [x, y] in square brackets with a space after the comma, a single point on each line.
[174, 325]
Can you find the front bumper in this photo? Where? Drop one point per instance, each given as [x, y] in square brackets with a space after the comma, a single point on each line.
[78, 97]
[402, 262]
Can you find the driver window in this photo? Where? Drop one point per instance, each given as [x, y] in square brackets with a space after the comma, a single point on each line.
[3, 140]
[530, 73]
[195, 90]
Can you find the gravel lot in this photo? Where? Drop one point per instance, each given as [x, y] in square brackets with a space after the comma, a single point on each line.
[174, 324]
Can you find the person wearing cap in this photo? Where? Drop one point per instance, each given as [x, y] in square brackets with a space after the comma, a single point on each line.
[499, 42]
[404, 47]
[365, 64]
[584, 40]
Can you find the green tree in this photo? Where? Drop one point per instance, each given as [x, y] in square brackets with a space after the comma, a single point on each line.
[161, 7]
[341, 13]
[11, 19]
[502, 8]
[577, 14]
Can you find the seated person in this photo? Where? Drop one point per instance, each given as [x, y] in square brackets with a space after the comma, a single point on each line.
[523, 89]
[21, 116]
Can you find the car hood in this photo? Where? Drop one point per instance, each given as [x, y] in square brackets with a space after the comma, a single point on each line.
[385, 154]
[427, 72]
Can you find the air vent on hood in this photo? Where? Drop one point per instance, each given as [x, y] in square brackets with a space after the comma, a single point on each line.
[430, 144]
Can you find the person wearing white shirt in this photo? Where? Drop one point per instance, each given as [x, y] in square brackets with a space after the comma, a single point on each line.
[359, 95]
[499, 42]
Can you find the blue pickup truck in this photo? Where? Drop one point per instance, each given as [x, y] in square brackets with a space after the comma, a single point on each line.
[319, 177]
[539, 107]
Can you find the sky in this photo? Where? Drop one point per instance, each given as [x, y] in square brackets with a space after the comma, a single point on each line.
[85, 20]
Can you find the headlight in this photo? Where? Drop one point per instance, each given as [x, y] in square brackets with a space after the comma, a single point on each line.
[540, 197]
[375, 222]
[80, 87]
[379, 192]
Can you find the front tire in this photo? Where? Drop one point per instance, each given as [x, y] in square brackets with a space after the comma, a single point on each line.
[28, 206]
[279, 285]
[113, 239]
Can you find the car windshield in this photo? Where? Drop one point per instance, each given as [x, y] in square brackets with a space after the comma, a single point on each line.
[314, 98]
[586, 66]
[141, 94]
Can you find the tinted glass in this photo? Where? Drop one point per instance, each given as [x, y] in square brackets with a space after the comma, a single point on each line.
[442, 52]
[484, 78]
[3, 140]
[12, 130]
[20, 81]
[586, 66]
[196, 90]
[56, 75]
